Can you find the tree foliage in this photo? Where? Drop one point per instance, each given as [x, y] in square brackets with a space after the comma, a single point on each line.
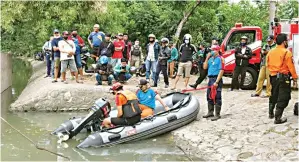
[26, 25]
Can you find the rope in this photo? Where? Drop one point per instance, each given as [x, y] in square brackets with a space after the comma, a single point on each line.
[212, 94]
[40, 148]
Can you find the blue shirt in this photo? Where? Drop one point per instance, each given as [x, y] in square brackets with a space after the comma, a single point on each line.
[55, 43]
[96, 38]
[147, 98]
[215, 65]
[76, 44]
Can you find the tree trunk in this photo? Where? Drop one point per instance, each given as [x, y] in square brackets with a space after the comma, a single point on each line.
[183, 21]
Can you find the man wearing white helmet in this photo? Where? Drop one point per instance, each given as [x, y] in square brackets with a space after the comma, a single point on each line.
[162, 63]
[186, 50]
[152, 52]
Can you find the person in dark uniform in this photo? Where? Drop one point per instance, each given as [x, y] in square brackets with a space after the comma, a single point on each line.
[162, 63]
[243, 54]
[202, 72]
[281, 68]
[214, 65]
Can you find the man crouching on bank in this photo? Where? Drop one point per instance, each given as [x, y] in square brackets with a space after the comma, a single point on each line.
[215, 64]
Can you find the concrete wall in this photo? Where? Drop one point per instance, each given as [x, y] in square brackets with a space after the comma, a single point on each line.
[6, 71]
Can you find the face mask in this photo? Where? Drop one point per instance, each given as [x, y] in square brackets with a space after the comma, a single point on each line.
[212, 53]
[74, 35]
[65, 37]
[286, 45]
[186, 41]
[243, 44]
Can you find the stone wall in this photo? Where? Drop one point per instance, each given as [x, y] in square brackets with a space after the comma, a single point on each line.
[6, 71]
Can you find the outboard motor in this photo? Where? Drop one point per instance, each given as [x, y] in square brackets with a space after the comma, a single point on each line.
[98, 112]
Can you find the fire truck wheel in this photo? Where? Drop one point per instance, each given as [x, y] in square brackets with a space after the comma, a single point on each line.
[250, 79]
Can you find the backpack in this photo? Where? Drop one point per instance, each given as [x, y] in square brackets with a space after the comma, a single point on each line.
[136, 51]
[106, 51]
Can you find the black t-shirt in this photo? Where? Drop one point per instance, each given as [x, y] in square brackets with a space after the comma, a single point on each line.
[109, 50]
[187, 52]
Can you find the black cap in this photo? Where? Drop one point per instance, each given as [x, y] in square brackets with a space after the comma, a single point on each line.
[215, 38]
[270, 37]
[143, 82]
[108, 35]
[123, 60]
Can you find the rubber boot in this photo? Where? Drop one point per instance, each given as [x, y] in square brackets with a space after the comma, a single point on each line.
[193, 85]
[271, 110]
[217, 114]
[278, 115]
[210, 111]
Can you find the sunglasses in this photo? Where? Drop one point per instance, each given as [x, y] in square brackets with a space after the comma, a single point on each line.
[56, 33]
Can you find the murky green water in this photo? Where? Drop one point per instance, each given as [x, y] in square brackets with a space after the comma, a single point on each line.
[37, 126]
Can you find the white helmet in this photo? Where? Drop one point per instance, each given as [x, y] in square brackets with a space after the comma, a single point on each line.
[163, 40]
[151, 36]
[188, 36]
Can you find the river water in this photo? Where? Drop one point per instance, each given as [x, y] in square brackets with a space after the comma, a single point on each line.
[37, 126]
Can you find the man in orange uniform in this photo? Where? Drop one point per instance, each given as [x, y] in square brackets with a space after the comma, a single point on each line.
[128, 111]
[281, 67]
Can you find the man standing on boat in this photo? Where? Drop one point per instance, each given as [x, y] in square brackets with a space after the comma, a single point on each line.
[215, 66]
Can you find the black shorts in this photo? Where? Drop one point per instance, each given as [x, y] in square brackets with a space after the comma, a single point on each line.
[126, 121]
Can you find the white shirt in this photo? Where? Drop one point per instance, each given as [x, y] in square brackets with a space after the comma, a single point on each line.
[243, 50]
[151, 52]
[47, 45]
[65, 47]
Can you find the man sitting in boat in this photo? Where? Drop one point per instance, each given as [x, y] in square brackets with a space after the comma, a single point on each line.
[128, 111]
[147, 99]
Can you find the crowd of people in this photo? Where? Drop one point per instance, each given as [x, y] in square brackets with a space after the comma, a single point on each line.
[115, 57]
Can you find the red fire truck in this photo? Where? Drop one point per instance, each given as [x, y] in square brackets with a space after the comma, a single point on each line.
[254, 34]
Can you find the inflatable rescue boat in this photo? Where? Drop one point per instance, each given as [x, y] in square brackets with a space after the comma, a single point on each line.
[183, 109]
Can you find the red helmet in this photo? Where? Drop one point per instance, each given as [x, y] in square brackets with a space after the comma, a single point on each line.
[116, 86]
[215, 48]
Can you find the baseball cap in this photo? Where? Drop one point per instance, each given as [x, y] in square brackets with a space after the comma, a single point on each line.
[55, 31]
[108, 35]
[96, 26]
[270, 37]
[120, 34]
[123, 60]
[143, 82]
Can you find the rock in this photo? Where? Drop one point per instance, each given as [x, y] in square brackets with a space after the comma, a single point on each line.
[54, 94]
[245, 155]
[67, 96]
[290, 134]
[294, 125]
[281, 128]
[228, 150]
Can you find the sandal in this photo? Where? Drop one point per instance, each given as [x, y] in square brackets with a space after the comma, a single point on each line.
[81, 82]
[54, 81]
[255, 95]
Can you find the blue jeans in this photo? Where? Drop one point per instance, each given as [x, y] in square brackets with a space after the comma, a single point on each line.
[127, 76]
[48, 61]
[78, 60]
[150, 65]
[218, 99]
[52, 68]
[99, 78]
